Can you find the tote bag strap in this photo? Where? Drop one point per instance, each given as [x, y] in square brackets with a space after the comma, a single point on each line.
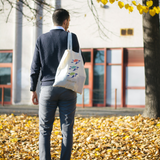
[69, 45]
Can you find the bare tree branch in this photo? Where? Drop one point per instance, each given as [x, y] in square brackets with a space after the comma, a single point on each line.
[9, 13]
[11, 5]
[26, 4]
[101, 28]
[32, 17]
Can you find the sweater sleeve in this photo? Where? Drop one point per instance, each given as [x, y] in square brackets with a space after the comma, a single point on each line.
[35, 68]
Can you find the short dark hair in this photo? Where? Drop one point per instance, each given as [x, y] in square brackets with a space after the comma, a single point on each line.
[59, 16]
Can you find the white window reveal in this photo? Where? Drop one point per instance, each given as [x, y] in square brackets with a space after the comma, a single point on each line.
[113, 82]
[114, 56]
[135, 76]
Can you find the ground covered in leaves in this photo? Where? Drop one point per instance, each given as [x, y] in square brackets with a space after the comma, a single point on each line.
[112, 138]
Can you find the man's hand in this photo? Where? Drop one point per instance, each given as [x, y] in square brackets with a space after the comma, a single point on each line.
[34, 98]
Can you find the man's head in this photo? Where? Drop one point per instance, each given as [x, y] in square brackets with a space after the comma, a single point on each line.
[61, 18]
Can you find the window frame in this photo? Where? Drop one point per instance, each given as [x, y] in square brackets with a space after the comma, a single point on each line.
[132, 64]
[105, 72]
[6, 65]
[126, 29]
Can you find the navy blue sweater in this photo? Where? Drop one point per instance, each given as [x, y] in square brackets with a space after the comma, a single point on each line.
[49, 50]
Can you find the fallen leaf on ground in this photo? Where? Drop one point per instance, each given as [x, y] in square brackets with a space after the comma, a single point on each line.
[116, 138]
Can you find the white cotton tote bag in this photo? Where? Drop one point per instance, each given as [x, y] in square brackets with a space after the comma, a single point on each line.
[70, 73]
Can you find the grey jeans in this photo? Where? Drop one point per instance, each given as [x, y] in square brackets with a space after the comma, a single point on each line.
[50, 98]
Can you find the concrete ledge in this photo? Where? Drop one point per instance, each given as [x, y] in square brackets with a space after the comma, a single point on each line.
[80, 112]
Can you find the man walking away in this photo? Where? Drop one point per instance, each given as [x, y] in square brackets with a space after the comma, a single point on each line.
[48, 53]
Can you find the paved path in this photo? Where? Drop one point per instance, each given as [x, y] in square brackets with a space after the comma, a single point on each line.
[81, 112]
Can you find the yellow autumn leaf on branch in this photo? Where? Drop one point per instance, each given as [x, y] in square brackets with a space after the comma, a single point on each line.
[134, 2]
[152, 12]
[126, 6]
[149, 3]
[130, 8]
[120, 4]
[141, 11]
[104, 1]
[145, 9]
[139, 6]
[111, 1]
[156, 9]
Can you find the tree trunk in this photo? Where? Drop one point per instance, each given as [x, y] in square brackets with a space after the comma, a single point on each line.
[152, 63]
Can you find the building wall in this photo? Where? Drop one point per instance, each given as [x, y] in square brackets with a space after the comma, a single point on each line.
[7, 30]
[21, 63]
[113, 18]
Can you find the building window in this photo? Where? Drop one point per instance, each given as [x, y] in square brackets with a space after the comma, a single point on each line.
[98, 76]
[126, 32]
[87, 56]
[123, 32]
[5, 57]
[98, 56]
[5, 77]
[98, 84]
[130, 31]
